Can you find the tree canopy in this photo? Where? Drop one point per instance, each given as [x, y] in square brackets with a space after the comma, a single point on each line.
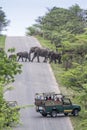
[3, 20]
[59, 22]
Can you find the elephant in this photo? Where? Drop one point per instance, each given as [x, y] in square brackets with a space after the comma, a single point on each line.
[43, 52]
[13, 56]
[54, 56]
[32, 50]
[22, 55]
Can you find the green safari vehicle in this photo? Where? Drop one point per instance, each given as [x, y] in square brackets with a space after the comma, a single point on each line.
[55, 107]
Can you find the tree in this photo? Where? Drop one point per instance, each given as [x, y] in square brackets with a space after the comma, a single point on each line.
[30, 31]
[3, 21]
[8, 69]
[76, 79]
[57, 20]
[33, 30]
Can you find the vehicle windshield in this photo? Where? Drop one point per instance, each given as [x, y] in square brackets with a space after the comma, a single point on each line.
[66, 101]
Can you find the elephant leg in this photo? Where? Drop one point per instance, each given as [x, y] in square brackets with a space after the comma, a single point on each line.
[55, 61]
[33, 57]
[18, 58]
[38, 58]
[45, 59]
[22, 59]
[29, 57]
[59, 61]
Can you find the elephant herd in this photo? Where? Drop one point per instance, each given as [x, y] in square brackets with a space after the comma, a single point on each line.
[38, 52]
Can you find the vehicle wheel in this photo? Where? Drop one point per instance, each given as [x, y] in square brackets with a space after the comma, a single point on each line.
[54, 114]
[66, 114]
[75, 112]
[44, 114]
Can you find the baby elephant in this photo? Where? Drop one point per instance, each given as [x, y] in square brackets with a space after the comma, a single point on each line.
[22, 56]
[54, 56]
[13, 57]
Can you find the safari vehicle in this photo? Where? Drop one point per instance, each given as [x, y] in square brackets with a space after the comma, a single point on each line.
[41, 98]
[13, 104]
[58, 105]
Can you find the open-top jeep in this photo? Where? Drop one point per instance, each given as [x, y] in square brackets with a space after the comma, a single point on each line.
[56, 103]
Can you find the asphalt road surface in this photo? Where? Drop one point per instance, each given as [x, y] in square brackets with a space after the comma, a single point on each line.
[36, 77]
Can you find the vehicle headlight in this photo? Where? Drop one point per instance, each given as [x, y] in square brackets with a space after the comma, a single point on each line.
[41, 108]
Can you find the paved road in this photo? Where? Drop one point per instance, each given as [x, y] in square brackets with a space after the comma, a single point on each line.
[36, 77]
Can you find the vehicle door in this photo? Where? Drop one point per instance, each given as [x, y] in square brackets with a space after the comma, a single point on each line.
[67, 105]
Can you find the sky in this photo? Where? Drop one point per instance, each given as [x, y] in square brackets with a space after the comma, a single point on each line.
[23, 13]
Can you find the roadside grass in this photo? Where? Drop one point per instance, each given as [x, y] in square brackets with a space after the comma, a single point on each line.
[58, 71]
[2, 41]
[75, 122]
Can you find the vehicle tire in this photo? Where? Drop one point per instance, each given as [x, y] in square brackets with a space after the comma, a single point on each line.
[44, 114]
[54, 113]
[75, 112]
[66, 114]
